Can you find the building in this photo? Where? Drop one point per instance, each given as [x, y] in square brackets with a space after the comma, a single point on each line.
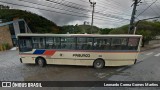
[5, 36]
[9, 30]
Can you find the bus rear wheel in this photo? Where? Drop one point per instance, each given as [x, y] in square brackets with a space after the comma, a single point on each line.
[98, 63]
[41, 62]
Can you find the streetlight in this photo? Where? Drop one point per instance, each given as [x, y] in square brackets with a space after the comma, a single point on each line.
[93, 3]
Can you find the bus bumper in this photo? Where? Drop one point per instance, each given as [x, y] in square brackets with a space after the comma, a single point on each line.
[21, 60]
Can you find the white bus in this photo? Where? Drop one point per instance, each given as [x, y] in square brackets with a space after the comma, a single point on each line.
[79, 49]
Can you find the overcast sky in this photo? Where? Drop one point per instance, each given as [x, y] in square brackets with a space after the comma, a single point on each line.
[108, 13]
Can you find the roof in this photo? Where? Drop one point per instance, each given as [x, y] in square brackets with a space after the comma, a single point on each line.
[80, 35]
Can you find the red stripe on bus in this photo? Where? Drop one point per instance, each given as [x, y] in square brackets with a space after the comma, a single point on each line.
[49, 52]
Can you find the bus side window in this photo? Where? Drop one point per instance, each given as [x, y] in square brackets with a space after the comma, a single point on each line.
[133, 43]
[68, 43]
[38, 42]
[49, 43]
[81, 43]
[119, 43]
[56, 41]
[101, 43]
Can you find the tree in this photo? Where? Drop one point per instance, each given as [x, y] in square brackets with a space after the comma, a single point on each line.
[36, 23]
[147, 36]
[105, 31]
[149, 30]
[4, 7]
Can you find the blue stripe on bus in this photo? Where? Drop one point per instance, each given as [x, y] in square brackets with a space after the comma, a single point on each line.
[39, 51]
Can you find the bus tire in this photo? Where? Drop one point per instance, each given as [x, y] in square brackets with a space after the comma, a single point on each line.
[135, 61]
[98, 63]
[41, 61]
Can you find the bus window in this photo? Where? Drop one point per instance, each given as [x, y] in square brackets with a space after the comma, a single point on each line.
[68, 43]
[25, 44]
[101, 43]
[119, 44]
[57, 43]
[38, 42]
[133, 43]
[50, 43]
[53, 43]
[84, 43]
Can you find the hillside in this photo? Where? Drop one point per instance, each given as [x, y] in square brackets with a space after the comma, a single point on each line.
[37, 24]
[149, 30]
[83, 29]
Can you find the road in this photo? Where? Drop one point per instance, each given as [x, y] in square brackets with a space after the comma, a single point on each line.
[146, 69]
[12, 70]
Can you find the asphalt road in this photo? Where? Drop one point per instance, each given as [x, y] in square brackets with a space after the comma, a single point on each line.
[146, 69]
[12, 70]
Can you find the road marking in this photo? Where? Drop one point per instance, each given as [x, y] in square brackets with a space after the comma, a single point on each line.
[149, 53]
[157, 54]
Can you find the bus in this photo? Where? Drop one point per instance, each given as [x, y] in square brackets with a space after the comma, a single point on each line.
[79, 49]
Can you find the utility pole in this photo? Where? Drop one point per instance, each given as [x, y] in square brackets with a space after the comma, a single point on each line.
[131, 26]
[93, 3]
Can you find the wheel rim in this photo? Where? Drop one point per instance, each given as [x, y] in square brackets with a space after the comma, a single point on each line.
[40, 62]
[98, 64]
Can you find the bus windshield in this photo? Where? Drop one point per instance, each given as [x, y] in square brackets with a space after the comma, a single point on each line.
[25, 44]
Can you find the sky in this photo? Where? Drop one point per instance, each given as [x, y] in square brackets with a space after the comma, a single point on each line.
[107, 13]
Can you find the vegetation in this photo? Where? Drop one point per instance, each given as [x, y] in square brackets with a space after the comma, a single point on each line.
[4, 46]
[149, 30]
[78, 29]
[37, 24]
[81, 29]
[106, 30]
[4, 7]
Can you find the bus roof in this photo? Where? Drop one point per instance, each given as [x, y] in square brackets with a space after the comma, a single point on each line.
[79, 35]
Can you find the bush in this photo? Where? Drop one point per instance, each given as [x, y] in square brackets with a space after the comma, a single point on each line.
[1, 49]
[4, 46]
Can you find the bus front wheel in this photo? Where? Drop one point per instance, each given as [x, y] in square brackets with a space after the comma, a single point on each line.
[41, 62]
[98, 63]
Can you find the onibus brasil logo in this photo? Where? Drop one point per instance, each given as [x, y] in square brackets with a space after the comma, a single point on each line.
[20, 84]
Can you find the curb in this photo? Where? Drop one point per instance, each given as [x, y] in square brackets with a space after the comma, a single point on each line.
[150, 48]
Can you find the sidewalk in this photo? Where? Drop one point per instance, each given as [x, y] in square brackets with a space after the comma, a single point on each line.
[151, 46]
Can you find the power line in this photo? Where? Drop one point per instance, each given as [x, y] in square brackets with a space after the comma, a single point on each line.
[146, 19]
[41, 9]
[147, 8]
[65, 10]
[74, 3]
[157, 6]
[111, 9]
[71, 3]
[53, 7]
[153, 9]
[109, 15]
[50, 10]
[67, 5]
[110, 3]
